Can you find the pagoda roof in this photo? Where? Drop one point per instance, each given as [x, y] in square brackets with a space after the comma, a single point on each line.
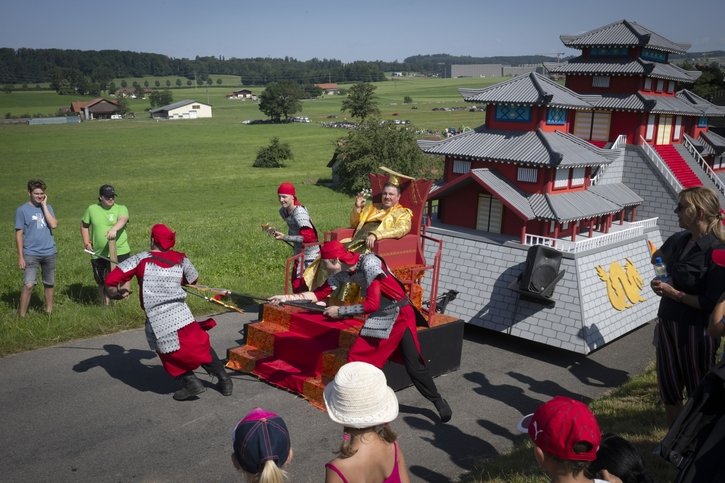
[571, 206]
[529, 89]
[670, 105]
[623, 33]
[636, 67]
[713, 141]
[531, 148]
[493, 182]
[618, 193]
[562, 207]
[705, 107]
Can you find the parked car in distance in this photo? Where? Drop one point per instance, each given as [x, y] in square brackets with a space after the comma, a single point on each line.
[116, 116]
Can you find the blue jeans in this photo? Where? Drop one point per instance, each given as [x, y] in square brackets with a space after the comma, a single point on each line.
[45, 263]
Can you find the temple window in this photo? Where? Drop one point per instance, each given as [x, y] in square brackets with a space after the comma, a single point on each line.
[608, 52]
[513, 113]
[461, 166]
[569, 178]
[649, 134]
[702, 121]
[655, 55]
[562, 179]
[556, 115]
[660, 85]
[648, 84]
[600, 81]
[671, 87]
[577, 177]
[527, 175]
[678, 128]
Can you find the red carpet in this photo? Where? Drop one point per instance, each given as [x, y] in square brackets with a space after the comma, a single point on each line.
[678, 166]
[295, 350]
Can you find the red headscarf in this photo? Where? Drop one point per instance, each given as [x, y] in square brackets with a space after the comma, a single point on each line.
[335, 249]
[162, 236]
[288, 188]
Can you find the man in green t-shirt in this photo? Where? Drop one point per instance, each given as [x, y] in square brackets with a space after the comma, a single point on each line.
[102, 225]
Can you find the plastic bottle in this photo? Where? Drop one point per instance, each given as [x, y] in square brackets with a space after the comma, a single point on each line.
[660, 270]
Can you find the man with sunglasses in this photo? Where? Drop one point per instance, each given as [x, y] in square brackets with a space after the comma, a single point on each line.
[103, 222]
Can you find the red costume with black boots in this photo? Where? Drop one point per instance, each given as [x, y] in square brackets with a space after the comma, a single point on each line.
[390, 328]
[181, 342]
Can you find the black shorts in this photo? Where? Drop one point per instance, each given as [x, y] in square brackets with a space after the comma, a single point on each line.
[102, 267]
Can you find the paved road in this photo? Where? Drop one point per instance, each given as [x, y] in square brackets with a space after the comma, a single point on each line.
[101, 410]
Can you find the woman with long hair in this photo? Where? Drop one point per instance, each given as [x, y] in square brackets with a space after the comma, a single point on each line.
[684, 350]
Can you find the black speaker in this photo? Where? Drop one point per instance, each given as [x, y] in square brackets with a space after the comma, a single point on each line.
[542, 270]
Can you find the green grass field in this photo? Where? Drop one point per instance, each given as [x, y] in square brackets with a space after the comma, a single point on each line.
[196, 176]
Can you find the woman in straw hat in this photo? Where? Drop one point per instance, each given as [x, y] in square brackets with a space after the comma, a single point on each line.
[360, 400]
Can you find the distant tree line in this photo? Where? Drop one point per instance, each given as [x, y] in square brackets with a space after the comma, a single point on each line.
[91, 71]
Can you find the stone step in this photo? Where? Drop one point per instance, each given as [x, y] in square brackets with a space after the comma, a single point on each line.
[244, 358]
[263, 334]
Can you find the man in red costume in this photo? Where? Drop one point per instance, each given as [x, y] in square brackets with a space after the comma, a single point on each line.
[390, 325]
[181, 342]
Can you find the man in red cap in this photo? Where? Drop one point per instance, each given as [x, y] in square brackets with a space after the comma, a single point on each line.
[181, 342]
[390, 325]
[301, 233]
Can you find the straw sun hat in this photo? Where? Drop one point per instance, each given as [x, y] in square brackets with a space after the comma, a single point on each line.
[359, 397]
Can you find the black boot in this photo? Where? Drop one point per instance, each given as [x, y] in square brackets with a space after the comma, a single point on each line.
[444, 410]
[192, 387]
[216, 368]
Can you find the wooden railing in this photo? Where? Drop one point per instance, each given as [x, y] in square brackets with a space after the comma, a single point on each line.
[659, 164]
[704, 165]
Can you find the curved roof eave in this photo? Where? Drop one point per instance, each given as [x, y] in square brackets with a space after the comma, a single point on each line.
[623, 33]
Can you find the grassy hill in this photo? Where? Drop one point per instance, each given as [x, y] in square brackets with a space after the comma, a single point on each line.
[196, 176]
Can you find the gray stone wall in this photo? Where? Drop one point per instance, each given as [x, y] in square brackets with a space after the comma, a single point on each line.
[482, 268]
[659, 199]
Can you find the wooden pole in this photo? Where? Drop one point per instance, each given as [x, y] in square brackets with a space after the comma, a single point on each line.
[112, 253]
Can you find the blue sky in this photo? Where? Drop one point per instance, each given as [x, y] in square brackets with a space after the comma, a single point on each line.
[386, 30]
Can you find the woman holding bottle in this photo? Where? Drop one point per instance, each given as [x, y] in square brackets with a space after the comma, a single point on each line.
[684, 350]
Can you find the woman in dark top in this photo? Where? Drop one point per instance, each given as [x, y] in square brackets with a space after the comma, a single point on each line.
[685, 352]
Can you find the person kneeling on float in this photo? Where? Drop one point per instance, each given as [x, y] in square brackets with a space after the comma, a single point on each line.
[391, 323]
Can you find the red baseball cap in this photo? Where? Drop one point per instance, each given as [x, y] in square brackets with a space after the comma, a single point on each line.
[559, 424]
